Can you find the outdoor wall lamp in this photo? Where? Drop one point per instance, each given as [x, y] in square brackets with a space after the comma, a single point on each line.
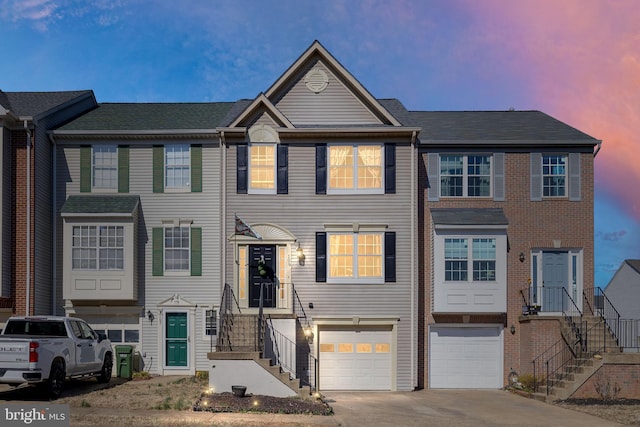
[521, 258]
[300, 254]
[308, 332]
[513, 329]
[150, 316]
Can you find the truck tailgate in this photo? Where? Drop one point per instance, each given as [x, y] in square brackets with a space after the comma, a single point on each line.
[14, 353]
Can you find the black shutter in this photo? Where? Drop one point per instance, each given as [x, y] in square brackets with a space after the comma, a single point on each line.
[283, 169]
[321, 169]
[321, 257]
[242, 171]
[389, 168]
[390, 256]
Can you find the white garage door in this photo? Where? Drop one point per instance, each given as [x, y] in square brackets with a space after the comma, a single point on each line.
[355, 360]
[465, 357]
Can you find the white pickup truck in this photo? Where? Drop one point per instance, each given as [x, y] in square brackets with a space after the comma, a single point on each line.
[46, 350]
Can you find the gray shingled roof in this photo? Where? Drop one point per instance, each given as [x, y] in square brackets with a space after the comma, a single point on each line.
[486, 125]
[463, 216]
[150, 116]
[634, 263]
[100, 204]
[33, 104]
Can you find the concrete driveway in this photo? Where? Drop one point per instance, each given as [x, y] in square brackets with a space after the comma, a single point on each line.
[451, 408]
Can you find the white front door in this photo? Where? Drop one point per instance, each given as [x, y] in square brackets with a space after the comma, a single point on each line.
[465, 357]
[355, 359]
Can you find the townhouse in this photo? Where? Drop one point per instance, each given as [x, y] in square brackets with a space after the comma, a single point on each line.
[26, 214]
[358, 245]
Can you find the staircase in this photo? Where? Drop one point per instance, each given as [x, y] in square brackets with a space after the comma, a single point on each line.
[586, 339]
[253, 338]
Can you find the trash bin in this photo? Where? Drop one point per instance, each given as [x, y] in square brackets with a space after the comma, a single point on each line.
[124, 367]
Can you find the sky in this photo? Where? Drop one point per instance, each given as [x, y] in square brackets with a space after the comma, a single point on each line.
[577, 60]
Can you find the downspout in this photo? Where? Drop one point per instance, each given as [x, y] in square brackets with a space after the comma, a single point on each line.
[414, 227]
[28, 219]
[54, 231]
[223, 205]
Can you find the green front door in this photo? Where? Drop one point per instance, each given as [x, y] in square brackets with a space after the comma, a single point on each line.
[176, 341]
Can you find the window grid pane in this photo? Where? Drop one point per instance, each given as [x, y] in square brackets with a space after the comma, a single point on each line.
[177, 166]
[455, 259]
[97, 247]
[262, 167]
[355, 167]
[465, 176]
[105, 166]
[554, 175]
[341, 251]
[369, 255]
[479, 176]
[176, 248]
[356, 255]
[484, 259]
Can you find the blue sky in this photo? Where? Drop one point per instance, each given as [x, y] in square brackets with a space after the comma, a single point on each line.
[578, 60]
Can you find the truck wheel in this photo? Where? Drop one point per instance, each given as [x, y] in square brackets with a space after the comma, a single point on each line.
[107, 367]
[55, 383]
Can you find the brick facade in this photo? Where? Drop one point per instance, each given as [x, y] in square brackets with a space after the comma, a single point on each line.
[533, 225]
[19, 224]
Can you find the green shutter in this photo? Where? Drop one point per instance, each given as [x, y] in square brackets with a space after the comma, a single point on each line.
[123, 169]
[157, 255]
[158, 169]
[85, 169]
[196, 251]
[196, 168]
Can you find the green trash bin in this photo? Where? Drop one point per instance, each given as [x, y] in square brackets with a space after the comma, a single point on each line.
[124, 366]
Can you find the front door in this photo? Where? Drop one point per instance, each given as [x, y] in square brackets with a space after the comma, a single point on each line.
[262, 268]
[176, 339]
[555, 275]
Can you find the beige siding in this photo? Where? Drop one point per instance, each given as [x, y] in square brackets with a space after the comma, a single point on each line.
[334, 105]
[304, 213]
[202, 208]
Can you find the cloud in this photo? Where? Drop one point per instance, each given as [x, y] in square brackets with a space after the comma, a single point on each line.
[39, 12]
[613, 236]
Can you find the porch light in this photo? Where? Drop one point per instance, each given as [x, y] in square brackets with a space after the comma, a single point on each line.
[513, 329]
[300, 254]
[150, 316]
[521, 258]
[308, 332]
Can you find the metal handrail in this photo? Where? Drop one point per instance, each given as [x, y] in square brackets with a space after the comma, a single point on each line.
[602, 307]
[573, 317]
[226, 319]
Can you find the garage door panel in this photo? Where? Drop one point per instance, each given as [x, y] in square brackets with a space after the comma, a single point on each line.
[363, 364]
[465, 357]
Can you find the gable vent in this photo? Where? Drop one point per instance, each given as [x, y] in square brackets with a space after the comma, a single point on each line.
[316, 80]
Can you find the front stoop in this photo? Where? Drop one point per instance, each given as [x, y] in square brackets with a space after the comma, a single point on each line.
[275, 370]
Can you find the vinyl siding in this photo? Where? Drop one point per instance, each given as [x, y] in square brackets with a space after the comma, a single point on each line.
[334, 105]
[204, 211]
[304, 213]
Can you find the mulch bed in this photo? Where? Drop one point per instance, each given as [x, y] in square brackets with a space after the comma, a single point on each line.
[228, 402]
[604, 402]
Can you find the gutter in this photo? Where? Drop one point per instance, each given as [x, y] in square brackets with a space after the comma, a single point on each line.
[597, 149]
[28, 219]
[223, 205]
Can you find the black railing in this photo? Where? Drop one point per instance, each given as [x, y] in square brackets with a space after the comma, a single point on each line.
[227, 319]
[629, 335]
[549, 367]
[599, 305]
[573, 317]
[294, 358]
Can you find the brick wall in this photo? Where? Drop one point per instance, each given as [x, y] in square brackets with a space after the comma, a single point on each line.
[19, 223]
[549, 224]
[624, 376]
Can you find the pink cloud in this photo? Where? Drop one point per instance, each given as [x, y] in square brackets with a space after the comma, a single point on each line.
[581, 59]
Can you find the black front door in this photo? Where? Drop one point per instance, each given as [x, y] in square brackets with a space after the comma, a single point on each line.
[262, 274]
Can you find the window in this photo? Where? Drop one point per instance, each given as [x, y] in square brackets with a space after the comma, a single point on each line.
[176, 249]
[465, 176]
[456, 259]
[262, 167]
[97, 247]
[356, 256]
[356, 168]
[177, 166]
[554, 174]
[104, 166]
[210, 322]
